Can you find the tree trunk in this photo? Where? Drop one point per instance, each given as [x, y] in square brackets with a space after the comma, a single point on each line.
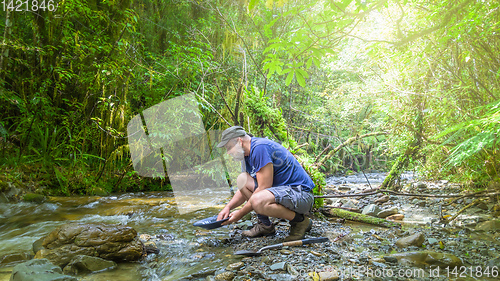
[6, 32]
[339, 213]
[398, 167]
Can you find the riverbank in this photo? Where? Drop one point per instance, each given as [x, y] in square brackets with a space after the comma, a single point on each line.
[186, 252]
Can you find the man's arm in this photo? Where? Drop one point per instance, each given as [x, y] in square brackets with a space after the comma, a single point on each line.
[236, 201]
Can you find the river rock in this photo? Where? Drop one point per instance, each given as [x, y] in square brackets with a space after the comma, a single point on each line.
[382, 199]
[396, 217]
[390, 259]
[432, 241]
[371, 210]
[483, 206]
[413, 240]
[278, 266]
[388, 212]
[39, 270]
[34, 197]
[427, 258]
[86, 264]
[328, 275]
[107, 241]
[494, 262]
[37, 245]
[420, 185]
[235, 266]
[291, 270]
[144, 238]
[492, 225]
[151, 248]
[14, 257]
[225, 276]
[348, 204]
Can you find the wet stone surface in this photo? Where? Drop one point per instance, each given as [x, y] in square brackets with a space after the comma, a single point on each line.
[372, 253]
[177, 251]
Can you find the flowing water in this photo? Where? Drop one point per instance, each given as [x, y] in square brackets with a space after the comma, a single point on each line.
[184, 250]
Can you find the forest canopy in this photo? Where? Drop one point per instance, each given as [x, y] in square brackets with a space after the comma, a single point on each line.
[394, 85]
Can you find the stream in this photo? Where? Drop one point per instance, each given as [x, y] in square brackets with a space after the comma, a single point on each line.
[193, 253]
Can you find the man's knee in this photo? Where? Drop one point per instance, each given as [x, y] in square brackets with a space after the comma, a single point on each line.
[259, 200]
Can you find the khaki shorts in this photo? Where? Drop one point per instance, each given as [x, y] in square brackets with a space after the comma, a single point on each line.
[293, 198]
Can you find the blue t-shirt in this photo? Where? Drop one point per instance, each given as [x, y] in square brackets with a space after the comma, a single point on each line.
[287, 170]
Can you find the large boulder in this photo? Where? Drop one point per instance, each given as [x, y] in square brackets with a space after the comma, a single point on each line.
[39, 270]
[107, 241]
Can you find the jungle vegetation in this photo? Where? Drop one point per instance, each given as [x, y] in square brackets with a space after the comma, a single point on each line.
[419, 80]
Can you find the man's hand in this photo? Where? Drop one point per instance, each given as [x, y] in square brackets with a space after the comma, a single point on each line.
[223, 214]
[234, 217]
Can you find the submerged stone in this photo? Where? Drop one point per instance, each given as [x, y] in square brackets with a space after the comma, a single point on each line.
[39, 270]
[107, 241]
[87, 264]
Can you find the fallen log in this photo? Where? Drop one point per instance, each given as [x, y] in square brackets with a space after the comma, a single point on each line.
[385, 191]
[339, 213]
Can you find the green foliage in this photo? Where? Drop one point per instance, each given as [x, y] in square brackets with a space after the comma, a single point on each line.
[266, 120]
[478, 141]
[71, 80]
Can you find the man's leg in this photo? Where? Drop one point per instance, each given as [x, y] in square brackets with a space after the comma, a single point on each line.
[247, 185]
[286, 202]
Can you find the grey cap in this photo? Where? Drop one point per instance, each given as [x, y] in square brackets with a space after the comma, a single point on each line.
[231, 133]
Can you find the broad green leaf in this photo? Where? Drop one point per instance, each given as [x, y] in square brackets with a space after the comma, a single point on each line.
[289, 77]
[309, 63]
[302, 72]
[300, 78]
[316, 61]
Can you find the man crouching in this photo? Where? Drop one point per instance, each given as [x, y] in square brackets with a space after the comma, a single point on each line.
[274, 185]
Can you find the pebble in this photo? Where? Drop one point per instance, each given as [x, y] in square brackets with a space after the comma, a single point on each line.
[235, 266]
[278, 266]
[432, 241]
[285, 252]
[144, 237]
[291, 270]
[328, 275]
[225, 276]
[316, 253]
[391, 259]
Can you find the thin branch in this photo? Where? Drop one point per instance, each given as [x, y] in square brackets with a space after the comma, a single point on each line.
[477, 194]
[223, 99]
